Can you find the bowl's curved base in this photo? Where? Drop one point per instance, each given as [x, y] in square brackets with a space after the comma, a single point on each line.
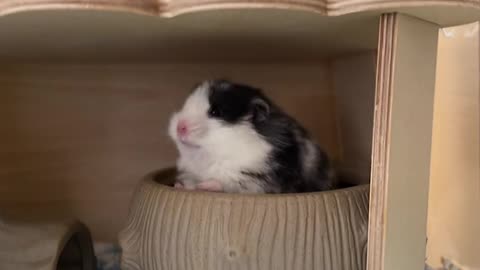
[175, 229]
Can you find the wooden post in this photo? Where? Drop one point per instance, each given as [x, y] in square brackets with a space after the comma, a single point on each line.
[401, 143]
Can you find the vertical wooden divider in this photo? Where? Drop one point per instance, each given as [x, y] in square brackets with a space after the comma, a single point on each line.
[381, 133]
[401, 145]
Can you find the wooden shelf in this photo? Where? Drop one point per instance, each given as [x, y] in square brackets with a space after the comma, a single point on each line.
[444, 12]
[262, 31]
[227, 36]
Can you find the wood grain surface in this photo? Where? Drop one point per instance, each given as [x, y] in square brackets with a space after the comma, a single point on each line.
[355, 98]
[381, 136]
[453, 224]
[76, 139]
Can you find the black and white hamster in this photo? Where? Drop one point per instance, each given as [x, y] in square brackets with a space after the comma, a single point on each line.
[232, 138]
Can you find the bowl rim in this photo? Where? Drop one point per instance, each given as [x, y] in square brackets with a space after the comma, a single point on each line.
[149, 180]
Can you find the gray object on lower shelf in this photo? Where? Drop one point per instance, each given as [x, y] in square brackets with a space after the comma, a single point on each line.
[42, 246]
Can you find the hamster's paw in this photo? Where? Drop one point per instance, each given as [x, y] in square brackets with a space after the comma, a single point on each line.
[179, 185]
[211, 185]
[183, 186]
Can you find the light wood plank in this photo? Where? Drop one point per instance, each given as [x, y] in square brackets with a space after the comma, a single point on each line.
[354, 83]
[454, 194]
[401, 143]
[381, 129]
[444, 11]
[76, 139]
[233, 36]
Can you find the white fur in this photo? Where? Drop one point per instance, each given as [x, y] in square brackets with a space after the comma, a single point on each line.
[215, 151]
[310, 156]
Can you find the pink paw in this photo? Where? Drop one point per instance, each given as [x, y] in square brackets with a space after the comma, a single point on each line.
[211, 185]
[178, 185]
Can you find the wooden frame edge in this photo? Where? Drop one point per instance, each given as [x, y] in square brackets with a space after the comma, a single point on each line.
[401, 148]
[170, 8]
[143, 7]
[381, 139]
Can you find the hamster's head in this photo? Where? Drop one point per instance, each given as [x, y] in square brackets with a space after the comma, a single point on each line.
[219, 112]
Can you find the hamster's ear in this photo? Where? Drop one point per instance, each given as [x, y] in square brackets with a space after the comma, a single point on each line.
[260, 110]
[196, 86]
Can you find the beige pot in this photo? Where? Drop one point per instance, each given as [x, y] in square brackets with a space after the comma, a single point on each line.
[177, 230]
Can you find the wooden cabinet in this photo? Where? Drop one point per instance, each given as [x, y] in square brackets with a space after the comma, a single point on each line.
[86, 92]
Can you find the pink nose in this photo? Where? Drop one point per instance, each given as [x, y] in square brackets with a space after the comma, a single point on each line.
[182, 128]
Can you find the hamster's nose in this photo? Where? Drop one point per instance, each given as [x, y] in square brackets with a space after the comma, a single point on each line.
[182, 128]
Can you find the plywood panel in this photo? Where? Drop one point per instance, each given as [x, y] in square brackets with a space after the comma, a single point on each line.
[354, 84]
[77, 138]
[454, 196]
[235, 35]
[401, 143]
[444, 12]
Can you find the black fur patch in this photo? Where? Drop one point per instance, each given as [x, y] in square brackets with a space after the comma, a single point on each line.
[233, 103]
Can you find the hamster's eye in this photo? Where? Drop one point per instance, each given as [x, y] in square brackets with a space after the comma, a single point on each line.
[214, 112]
